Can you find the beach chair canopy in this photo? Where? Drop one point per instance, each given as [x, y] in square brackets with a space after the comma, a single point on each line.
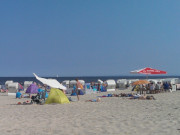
[20, 86]
[110, 82]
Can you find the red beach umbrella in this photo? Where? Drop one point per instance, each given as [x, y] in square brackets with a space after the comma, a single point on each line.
[148, 71]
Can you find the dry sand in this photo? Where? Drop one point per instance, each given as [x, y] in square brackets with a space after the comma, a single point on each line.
[111, 116]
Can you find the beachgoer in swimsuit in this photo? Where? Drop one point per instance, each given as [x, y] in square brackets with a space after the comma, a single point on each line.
[18, 94]
[78, 88]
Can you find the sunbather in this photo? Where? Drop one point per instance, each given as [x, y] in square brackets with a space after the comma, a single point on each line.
[142, 97]
[126, 94]
[94, 100]
[4, 90]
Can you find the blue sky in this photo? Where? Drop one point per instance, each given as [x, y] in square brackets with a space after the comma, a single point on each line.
[88, 37]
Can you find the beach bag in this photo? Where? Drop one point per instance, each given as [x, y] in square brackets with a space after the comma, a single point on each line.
[81, 86]
[73, 93]
[81, 92]
[103, 89]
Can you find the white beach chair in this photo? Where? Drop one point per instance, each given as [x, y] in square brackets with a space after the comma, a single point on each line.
[111, 85]
[12, 88]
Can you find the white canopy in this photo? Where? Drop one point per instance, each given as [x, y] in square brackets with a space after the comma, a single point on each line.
[51, 82]
[100, 81]
[110, 82]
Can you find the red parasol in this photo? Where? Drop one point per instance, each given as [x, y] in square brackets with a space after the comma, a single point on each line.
[148, 71]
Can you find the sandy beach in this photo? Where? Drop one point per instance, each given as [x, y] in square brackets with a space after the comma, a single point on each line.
[110, 116]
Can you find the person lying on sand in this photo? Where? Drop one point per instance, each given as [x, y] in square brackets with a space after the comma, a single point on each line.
[150, 98]
[4, 90]
[141, 97]
[126, 94]
[94, 100]
[118, 95]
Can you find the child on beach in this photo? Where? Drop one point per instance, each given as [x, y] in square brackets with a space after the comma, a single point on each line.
[18, 94]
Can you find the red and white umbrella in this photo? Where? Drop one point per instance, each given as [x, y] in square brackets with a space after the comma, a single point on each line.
[148, 71]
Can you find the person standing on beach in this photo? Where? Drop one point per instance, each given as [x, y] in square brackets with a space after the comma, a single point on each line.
[99, 87]
[78, 88]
